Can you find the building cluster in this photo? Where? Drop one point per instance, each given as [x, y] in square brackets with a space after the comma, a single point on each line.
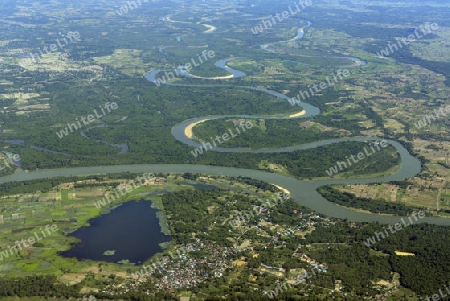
[182, 272]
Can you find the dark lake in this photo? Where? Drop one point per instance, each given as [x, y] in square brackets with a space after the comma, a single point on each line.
[131, 230]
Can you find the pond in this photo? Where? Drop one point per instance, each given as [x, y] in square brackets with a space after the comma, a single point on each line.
[129, 232]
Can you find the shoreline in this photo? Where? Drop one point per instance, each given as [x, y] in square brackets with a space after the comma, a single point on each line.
[216, 77]
[281, 188]
[188, 130]
[303, 112]
[162, 218]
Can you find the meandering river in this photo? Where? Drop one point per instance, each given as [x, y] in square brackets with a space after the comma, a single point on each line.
[302, 191]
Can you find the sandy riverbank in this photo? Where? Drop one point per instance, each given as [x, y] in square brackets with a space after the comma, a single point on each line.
[298, 114]
[210, 28]
[217, 77]
[188, 130]
[282, 189]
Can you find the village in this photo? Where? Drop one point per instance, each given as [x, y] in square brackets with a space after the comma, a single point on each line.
[205, 259]
[183, 271]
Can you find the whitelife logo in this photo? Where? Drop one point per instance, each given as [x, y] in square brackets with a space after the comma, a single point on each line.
[131, 5]
[183, 70]
[280, 288]
[427, 28]
[242, 218]
[147, 270]
[270, 22]
[360, 156]
[398, 226]
[319, 87]
[441, 296]
[86, 120]
[199, 150]
[436, 116]
[73, 36]
[14, 158]
[108, 199]
[31, 241]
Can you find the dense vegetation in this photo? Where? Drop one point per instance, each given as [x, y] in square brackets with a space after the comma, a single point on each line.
[150, 110]
[46, 185]
[375, 206]
[44, 286]
[264, 133]
[429, 244]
